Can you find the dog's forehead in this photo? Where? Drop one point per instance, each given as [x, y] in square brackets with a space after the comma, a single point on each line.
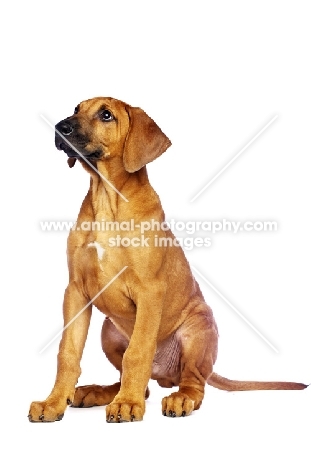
[93, 105]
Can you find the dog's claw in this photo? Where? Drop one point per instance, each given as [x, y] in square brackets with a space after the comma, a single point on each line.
[164, 413]
[60, 417]
[132, 418]
[41, 417]
[183, 413]
[69, 402]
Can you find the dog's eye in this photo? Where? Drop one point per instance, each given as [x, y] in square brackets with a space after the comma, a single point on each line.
[76, 110]
[106, 115]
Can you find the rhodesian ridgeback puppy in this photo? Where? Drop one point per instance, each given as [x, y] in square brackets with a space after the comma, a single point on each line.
[157, 323]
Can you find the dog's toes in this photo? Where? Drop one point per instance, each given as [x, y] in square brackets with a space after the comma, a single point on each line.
[124, 412]
[85, 396]
[176, 405]
[47, 411]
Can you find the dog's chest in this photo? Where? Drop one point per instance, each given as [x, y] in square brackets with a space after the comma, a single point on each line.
[99, 249]
[96, 249]
[99, 265]
[115, 243]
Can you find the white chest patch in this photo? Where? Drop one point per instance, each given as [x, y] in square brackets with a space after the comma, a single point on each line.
[100, 250]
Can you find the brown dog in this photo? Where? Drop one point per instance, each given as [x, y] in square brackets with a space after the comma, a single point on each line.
[158, 325]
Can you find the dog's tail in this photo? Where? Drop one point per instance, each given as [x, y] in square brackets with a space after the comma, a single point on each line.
[222, 383]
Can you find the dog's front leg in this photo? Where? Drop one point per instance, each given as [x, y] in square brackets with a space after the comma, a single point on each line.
[129, 403]
[68, 360]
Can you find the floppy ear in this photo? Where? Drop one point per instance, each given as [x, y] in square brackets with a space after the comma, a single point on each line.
[145, 141]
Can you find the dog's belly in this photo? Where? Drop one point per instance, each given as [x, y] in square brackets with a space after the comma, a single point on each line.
[166, 362]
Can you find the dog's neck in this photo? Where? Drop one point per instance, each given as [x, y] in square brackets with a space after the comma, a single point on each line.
[107, 183]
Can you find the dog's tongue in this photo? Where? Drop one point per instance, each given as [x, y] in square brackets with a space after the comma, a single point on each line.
[71, 162]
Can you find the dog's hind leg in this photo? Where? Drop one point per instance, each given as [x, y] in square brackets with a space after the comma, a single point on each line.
[94, 395]
[198, 337]
[114, 345]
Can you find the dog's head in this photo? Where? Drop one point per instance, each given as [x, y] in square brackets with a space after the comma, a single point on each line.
[105, 128]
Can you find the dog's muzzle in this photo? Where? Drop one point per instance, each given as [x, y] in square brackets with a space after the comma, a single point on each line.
[69, 139]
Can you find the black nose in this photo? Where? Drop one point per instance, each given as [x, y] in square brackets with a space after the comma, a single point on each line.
[64, 127]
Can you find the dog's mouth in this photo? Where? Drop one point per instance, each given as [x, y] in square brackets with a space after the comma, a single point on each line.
[76, 153]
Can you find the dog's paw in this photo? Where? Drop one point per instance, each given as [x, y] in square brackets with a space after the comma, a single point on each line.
[177, 404]
[125, 411]
[49, 410]
[94, 395]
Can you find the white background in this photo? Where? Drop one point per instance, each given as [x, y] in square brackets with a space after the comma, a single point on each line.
[211, 74]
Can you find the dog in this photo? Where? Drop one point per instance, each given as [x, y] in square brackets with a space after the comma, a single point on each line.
[157, 325]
